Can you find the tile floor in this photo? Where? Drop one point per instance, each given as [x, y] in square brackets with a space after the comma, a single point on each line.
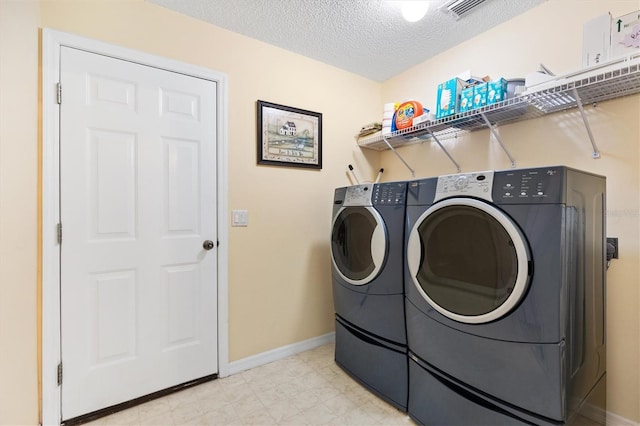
[303, 389]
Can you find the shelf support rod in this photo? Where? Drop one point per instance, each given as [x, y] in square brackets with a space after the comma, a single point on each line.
[433, 136]
[497, 136]
[596, 152]
[413, 173]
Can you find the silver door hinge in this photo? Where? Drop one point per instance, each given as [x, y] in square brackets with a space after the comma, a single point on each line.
[59, 233]
[59, 93]
[60, 374]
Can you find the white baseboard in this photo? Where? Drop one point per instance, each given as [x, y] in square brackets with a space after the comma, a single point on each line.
[601, 417]
[279, 353]
[617, 420]
[595, 413]
[598, 416]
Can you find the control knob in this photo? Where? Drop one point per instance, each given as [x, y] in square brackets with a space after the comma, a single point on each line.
[461, 182]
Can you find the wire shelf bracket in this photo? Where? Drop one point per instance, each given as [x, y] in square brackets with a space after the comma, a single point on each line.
[413, 172]
[434, 137]
[497, 136]
[596, 152]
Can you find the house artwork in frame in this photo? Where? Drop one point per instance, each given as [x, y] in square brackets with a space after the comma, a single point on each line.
[289, 136]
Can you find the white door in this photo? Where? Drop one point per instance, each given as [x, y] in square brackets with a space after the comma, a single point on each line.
[138, 199]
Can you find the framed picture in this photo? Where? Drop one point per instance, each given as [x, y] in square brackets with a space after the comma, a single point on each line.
[289, 136]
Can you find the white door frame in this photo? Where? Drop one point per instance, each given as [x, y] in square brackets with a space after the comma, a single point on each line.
[52, 41]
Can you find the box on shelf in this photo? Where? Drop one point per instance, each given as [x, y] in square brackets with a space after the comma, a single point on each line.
[537, 77]
[471, 80]
[596, 40]
[466, 99]
[426, 116]
[625, 35]
[479, 95]
[448, 97]
[496, 91]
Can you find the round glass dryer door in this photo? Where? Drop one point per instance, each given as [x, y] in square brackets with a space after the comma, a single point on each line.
[358, 244]
[468, 260]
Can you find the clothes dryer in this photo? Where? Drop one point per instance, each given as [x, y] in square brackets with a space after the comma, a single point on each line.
[367, 249]
[505, 297]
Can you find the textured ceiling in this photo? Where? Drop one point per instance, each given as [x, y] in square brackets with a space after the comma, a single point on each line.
[366, 37]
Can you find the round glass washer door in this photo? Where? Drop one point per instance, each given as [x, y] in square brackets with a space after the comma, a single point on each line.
[468, 260]
[358, 244]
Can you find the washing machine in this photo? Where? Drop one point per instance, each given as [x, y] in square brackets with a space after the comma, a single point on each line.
[367, 251]
[505, 297]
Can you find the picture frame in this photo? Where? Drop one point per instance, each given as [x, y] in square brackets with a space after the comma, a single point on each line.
[289, 136]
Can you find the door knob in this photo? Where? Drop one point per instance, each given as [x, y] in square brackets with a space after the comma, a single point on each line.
[208, 245]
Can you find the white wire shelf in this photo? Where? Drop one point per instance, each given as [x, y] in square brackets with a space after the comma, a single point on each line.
[611, 80]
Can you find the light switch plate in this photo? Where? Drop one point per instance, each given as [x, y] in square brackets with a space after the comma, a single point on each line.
[239, 218]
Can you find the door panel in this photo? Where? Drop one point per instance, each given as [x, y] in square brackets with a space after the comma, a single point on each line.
[114, 316]
[182, 186]
[112, 184]
[137, 179]
[181, 291]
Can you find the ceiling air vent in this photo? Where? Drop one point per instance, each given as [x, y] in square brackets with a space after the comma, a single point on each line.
[459, 8]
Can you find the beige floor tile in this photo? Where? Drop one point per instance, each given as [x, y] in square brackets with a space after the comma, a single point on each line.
[221, 416]
[214, 403]
[341, 406]
[319, 415]
[237, 393]
[298, 419]
[186, 412]
[354, 418]
[163, 419]
[248, 406]
[154, 408]
[273, 396]
[127, 417]
[258, 418]
[281, 410]
[306, 400]
[303, 389]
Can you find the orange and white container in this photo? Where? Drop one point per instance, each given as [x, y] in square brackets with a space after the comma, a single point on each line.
[405, 114]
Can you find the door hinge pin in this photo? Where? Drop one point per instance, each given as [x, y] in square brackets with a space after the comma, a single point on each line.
[59, 233]
[59, 93]
[60, 374]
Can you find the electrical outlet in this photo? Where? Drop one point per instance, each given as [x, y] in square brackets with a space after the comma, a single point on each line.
[612, 247]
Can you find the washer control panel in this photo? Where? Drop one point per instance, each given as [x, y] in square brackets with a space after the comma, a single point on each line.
[358, 195]
[476, 184]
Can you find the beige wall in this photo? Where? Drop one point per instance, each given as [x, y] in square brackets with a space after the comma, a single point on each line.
[18, 212]
[279, 282]
[550, 34]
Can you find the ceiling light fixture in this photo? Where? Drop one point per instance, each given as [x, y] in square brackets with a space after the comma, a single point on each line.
[413, 11]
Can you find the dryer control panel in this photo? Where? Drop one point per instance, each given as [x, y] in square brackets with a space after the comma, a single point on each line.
[539, 185]
[477, 184]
